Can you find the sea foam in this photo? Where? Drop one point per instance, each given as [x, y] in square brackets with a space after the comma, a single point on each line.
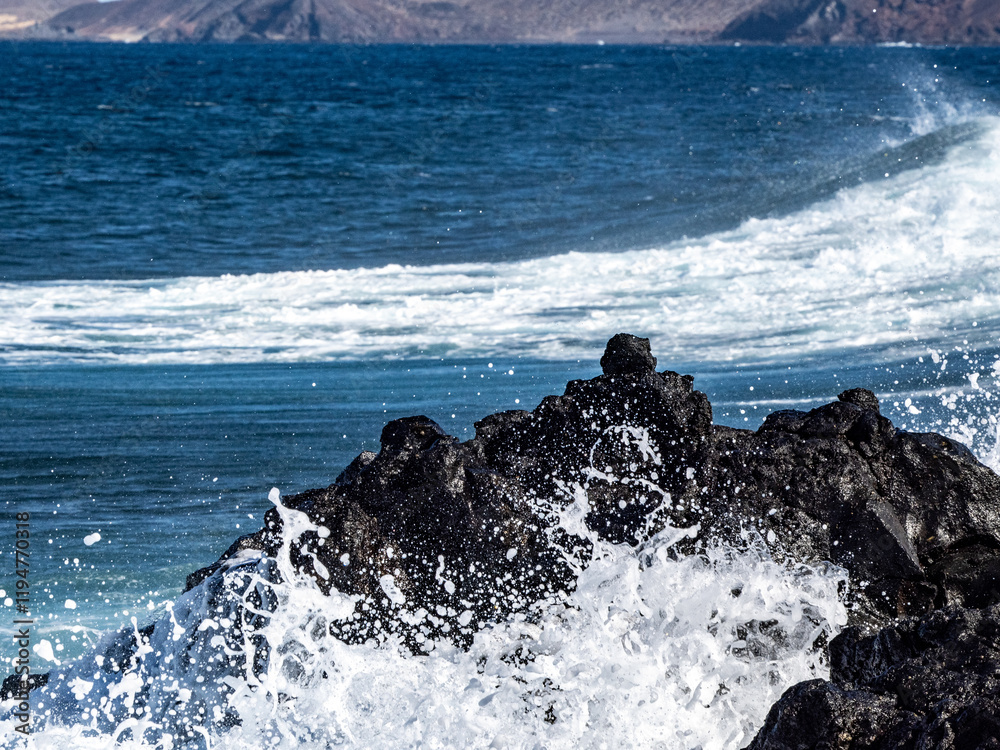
[652, 649]
[897, 263]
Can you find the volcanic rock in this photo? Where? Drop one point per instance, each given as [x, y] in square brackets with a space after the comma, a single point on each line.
[432, 539]
[626, 353]
[928, 682]
[901, 511]
[471, 526]
[467, 527]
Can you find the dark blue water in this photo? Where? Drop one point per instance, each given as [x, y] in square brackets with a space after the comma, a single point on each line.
[160, 161]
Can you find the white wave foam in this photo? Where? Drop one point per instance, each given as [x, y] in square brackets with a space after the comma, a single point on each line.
[650, 651]
[915, 256]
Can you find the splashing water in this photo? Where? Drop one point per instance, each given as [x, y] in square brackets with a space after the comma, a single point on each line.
[953, 391]
[652, 649]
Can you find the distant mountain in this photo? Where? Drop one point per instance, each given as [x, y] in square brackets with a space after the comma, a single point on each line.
[964, 22]
[401, 20]
[952, 22]
[18, 15]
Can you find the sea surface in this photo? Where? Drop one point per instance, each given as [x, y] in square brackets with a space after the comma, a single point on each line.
[224, 268]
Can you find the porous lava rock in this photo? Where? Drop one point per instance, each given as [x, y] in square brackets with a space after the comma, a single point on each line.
[468, 527]
[928, 682]
[911, 516]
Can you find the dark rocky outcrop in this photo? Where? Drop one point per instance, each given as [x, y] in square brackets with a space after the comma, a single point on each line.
[465, 526]
[929, 682]
[903, 512]
[912, 517]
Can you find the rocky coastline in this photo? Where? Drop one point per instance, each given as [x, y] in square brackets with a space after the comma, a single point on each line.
[433, 522]
[912, 516]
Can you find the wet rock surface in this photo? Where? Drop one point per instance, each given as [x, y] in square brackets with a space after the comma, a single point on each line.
[901, 511]
[467, 526]
[929, 682]
[912, 517]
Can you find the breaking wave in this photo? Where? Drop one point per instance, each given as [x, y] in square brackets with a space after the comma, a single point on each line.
[652, 649]
[899, 259]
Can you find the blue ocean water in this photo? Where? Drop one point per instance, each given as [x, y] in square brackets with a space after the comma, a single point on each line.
[127, 162]
[223, 268]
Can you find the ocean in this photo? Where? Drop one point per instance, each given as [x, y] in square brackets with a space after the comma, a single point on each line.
[224, 268]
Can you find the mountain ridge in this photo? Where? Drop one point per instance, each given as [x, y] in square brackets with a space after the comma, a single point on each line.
[806, 22]
[18, 15]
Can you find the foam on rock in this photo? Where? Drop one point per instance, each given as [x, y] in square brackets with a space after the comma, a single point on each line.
[907, 514]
